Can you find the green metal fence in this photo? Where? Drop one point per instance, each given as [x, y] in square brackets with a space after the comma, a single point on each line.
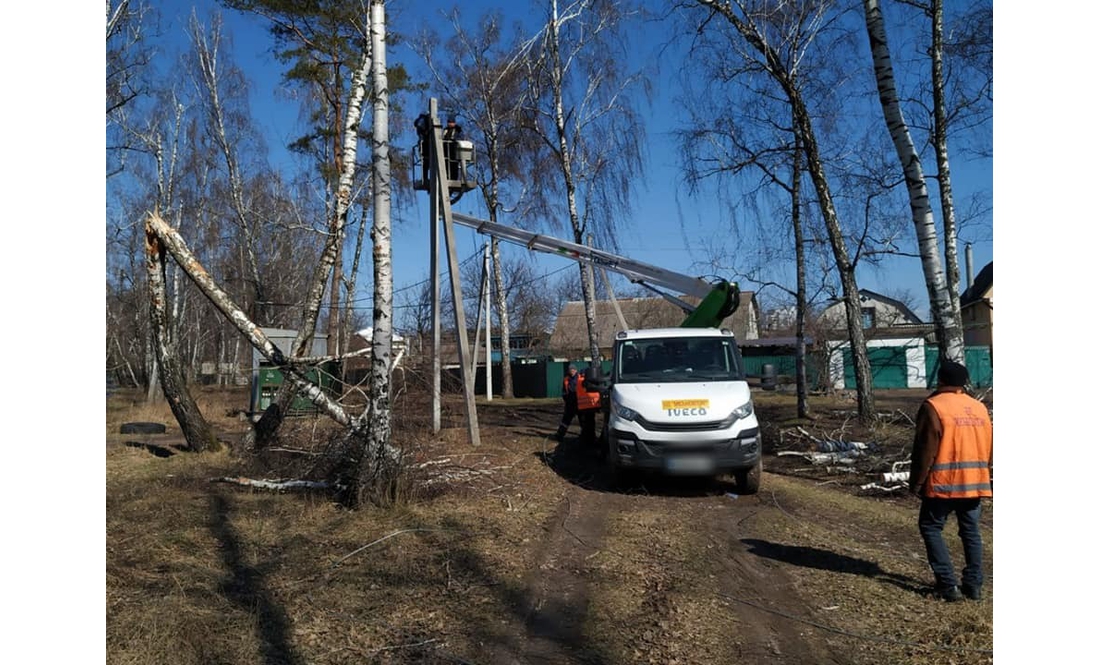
[979, 362]
[784, 367]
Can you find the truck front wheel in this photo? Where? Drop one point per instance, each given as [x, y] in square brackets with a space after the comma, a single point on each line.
[748, 480]
[619, 478]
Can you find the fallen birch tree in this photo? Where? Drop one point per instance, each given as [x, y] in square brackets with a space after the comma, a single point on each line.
[357, 446]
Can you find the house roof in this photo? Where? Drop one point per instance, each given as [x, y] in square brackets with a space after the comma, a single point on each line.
[571, 332]
[982, 283]
[897, 304]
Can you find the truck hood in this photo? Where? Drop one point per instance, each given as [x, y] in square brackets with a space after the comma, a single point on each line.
[683, 403]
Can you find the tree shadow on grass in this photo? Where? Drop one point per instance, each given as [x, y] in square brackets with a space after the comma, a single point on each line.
[159, 451]
[812, 557]
[245, 587]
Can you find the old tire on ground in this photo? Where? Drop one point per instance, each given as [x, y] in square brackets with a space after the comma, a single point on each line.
[748, 480]
[142, 428]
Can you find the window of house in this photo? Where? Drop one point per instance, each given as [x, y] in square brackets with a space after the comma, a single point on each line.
[868, 317]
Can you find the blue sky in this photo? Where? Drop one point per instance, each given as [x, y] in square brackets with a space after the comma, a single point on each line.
[665, 215]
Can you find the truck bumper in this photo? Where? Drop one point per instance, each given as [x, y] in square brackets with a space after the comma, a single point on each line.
[685, 453]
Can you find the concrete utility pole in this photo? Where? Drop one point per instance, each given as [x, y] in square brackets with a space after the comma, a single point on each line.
[436, 333]
[486, 291]
[440, 186]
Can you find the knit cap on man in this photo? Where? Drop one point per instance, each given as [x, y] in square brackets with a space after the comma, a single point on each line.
[953, 374]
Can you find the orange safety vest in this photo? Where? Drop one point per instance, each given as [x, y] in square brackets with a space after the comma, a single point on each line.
[585, 400]
[961, 468]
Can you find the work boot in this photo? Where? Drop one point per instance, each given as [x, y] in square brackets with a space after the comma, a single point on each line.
[972, 592]
[948, 594]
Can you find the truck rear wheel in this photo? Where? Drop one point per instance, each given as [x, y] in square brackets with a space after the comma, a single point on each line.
[748, 480]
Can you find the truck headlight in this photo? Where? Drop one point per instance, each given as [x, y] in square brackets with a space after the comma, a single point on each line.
[743, 411]
[624, 412]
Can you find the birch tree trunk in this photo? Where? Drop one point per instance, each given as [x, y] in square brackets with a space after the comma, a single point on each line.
[865, 395]
[947, 322]
[350, 285]
[165, 195]
[200, 437]
[376, 473]
[565, 156]
[939, 140]
[207, 54]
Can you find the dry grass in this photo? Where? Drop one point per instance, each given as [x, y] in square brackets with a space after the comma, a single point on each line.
[204, 572]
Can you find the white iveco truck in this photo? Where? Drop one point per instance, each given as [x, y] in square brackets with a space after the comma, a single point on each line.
[680, 405]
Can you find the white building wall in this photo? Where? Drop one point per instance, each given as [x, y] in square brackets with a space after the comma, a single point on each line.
[915, 375]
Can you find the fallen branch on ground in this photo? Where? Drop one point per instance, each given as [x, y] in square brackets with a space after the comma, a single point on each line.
[884, 488]
[294, 451]
[277, 485]
[373, 543]
[846, 457]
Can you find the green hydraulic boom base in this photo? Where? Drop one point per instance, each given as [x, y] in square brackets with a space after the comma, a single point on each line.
[722, 301]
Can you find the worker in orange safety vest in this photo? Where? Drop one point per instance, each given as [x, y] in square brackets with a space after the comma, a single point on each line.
[952, 471]
[578, 402]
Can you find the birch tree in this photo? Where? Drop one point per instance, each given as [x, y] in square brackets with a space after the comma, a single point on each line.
[581, 107]
[973, 46]
[200, 437]
[376, 470]
[167, 240]
[746, 145]
[945, 313]
[322, 42]
[207, 56]
[316, 38]
[774, 35]
[368, 464]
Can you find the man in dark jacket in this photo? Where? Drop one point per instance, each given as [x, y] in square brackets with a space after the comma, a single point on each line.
[952, 470]
[580, 401]
[569, 397]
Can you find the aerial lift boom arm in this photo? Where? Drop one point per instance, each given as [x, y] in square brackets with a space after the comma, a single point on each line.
[717, 300]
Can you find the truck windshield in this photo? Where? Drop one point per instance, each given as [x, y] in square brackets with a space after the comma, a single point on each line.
[680, 359]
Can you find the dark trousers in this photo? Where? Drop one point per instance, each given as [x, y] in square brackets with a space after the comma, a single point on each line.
[567, 415]
[587, 417]
[933, 517]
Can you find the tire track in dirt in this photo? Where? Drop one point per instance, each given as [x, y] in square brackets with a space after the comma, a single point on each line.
[684, 613]
[557, 597]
